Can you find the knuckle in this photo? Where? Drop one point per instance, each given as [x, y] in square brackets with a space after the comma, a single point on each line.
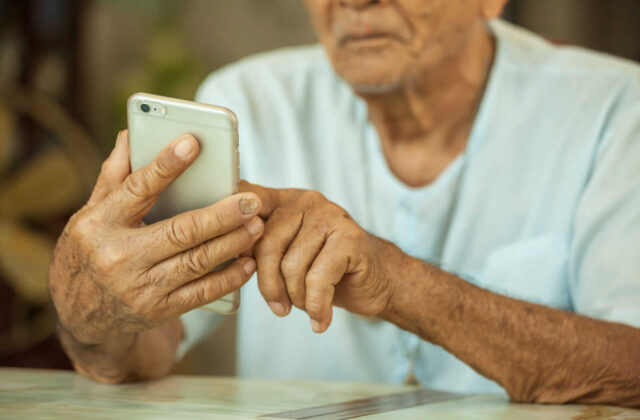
[272, 245]
[315, 277]
[180, 231]
[289, 266]
[135, 300]
[207, 250]
[314, 303]
[349, 237]
[163, 167]
[158, 277]
[351, 228]
[295, 284]
[108, 258]
[296, 295]
[223, 249]
[313, 196]
[134, 304]
[203, 292]
[227, 281]
[138, 185]
[195, 261]
[218, 286]
[81, 229]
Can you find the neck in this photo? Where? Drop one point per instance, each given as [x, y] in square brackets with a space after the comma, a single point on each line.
[439, 106]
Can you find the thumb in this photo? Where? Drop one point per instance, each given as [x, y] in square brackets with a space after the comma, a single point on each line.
[114, 170]
[270, 197]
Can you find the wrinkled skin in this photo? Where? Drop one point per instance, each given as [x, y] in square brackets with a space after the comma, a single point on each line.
[113, 277]
[379, 46]
[314, 255]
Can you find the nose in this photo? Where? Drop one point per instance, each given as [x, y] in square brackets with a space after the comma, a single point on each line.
[358, 4]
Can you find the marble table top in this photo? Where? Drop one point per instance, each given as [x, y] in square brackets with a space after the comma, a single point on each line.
[41, 394]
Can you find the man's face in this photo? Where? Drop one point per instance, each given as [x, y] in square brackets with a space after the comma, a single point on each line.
[378, 45]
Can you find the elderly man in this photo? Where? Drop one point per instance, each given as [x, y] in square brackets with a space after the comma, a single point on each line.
[467, 214]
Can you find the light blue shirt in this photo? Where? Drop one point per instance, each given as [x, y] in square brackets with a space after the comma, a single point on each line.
[543, 205]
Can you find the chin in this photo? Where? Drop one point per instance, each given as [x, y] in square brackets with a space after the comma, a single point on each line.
[372, 71]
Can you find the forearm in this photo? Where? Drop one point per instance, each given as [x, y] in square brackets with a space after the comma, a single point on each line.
[125, 358]
[538, 354]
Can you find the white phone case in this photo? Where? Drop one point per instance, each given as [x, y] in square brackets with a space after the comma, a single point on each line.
[154, 122]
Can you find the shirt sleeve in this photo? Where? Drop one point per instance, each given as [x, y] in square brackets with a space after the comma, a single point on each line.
[198, 324]
[605, 257]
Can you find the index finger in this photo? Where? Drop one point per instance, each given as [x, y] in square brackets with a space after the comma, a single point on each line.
[270, 197]
[138, 193]
[187, 230]
[325, 273]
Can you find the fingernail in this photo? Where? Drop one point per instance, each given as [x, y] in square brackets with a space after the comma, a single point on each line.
[248, 206]
[249, 267]
[255, 226]
[183, 149]
[277, 308]
[315, 326]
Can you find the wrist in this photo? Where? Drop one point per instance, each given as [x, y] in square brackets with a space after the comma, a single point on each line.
[112, 343]
[105, 362]
[419, 298]
[116, 345]
[392, 270]
[396, 285]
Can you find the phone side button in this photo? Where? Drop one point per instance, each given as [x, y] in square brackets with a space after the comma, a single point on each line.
[238, 164]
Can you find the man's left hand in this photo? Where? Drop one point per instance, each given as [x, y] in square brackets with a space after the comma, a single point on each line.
[314, 255]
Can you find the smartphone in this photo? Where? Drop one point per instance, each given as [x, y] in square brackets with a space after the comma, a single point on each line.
[154, 122]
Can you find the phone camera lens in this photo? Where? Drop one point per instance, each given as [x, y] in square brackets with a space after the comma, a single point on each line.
[145, 108]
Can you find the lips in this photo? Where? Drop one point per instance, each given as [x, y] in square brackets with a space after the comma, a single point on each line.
[363, 37]
[360, 31]
[378, 24]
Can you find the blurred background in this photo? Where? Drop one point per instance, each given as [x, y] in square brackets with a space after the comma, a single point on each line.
[66, 70]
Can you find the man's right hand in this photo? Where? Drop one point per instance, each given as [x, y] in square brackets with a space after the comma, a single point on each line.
[113, 277]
